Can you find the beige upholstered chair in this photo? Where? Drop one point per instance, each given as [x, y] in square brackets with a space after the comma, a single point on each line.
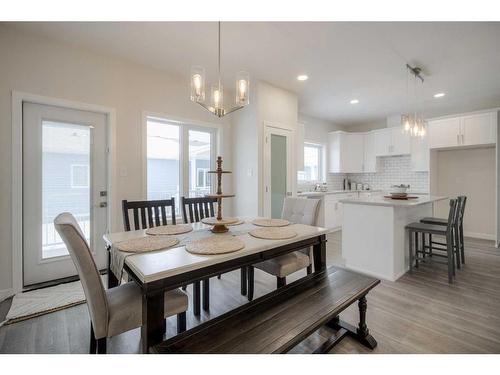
[116, 310]
[298, 211]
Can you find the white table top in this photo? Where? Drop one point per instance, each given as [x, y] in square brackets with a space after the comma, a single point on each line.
[382, 201]
[160, 264]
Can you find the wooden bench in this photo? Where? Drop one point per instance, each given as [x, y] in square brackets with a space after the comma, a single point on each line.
[278, 321]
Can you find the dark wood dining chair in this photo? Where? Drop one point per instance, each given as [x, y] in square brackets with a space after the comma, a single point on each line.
[193, 211]
[421, 231]
[149, 214]
[459, 227]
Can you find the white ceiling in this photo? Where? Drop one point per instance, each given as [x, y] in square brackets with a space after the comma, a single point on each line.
[343, 60]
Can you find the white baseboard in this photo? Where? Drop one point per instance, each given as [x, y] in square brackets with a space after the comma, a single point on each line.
[6, 293]
[482, 236]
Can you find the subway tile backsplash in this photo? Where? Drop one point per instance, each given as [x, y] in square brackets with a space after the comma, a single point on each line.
[394, 170]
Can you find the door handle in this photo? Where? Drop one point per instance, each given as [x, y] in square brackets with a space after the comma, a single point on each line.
[103, 204]
[463, 139]
[288, 193]
[458, 139]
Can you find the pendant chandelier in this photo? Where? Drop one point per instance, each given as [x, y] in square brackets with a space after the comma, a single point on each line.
[216, 105]
[413, 121]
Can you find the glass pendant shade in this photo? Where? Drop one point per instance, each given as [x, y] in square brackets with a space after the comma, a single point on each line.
[242, 89]
[197, 84]
[217, 96]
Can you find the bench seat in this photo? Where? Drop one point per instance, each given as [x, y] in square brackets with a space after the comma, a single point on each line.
[278, 321]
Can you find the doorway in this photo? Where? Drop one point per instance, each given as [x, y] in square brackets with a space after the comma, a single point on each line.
[64, 169]
[277, 169]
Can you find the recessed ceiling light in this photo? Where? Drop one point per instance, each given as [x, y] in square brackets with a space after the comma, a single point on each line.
[354, 101]
[302, 77]
[439, 95]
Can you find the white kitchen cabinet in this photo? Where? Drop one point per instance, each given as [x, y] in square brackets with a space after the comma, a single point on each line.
[370, 158]
[470, 130]
[346, 152]
[479, 129]
[420, 154]
[391, 141]
[444, 133]
[299, 147]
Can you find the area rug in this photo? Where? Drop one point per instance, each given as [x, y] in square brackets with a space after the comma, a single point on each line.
[43, 301]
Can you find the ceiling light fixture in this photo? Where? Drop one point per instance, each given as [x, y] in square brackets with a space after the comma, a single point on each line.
[439, 95]
[302, 77]
[414, 123]
[354, 101]
[217, 92]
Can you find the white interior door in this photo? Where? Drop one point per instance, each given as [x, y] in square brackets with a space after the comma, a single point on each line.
[278, 155]
[64, 170]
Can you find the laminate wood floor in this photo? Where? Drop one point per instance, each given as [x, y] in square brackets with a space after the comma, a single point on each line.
[420, 313]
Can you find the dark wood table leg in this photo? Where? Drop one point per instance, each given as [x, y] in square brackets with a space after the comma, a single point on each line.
[112, 279]
[243, 281]
[153, 326]
[206, 294]
[251, 281]
[319, 254]
[196, 298]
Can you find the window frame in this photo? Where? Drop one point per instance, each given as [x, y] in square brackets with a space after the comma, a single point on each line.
[185, 125]
[321, 162]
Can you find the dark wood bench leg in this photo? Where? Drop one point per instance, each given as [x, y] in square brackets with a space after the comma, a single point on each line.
[280, 282]
[153, 318]
[363, 334]
[243, 274]
[410, 246]
[250, 278]
[206, 294]
[181, 322]
[196, 298]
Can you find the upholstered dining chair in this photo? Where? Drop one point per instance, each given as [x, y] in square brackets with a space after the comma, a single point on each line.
[297, 211]
[115, 310]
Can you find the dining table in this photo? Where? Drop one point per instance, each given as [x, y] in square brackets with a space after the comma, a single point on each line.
[158, 271]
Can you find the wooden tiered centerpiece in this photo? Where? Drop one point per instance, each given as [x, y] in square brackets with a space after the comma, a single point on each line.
[219, 223]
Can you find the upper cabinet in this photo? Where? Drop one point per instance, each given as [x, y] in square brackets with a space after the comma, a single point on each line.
[391, 141]
[470, 130]
[370, 159]
[346, 152]
[479, 129]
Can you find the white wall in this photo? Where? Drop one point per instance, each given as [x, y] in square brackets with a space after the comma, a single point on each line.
[469, 172]
[40, 66]
[269, 104]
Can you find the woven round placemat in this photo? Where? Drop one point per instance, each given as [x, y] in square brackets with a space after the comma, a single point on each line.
[217, 244]
[169, 229]
[273, 233]
[239, 222]
[271, 222]
[224, 221]
[145, 244]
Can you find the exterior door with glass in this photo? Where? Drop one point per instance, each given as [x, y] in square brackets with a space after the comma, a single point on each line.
[64, 170]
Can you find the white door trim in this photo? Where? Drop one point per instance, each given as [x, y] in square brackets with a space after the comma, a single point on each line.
[17, 173]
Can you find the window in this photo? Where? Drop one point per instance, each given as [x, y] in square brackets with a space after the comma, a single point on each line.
[79, 176]
[313, 163]
[179, 156]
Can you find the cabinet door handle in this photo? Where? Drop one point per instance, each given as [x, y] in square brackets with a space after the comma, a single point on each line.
[463, 139]
[458, 139]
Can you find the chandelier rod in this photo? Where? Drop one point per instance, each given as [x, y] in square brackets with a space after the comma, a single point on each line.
[218, 46]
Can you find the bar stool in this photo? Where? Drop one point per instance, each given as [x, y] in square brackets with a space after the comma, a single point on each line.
[459, 228]
[417, 228]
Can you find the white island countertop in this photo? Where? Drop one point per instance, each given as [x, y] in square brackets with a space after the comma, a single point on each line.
[382, 201]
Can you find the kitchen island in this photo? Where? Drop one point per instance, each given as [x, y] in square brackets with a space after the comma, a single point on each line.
[374, 239]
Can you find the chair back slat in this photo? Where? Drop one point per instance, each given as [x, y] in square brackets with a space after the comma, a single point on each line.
[196, 209]
[152, 213]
